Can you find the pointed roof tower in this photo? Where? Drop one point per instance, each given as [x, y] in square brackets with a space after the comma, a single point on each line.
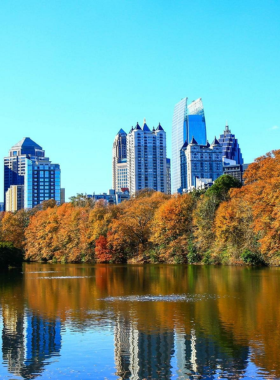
[145, 127]
[26, 142]
[207, 144]
[132, 129]
[215, 142]
[159, 127]
[121, 132]
[138, 127]
[193, 142]
[185, 145]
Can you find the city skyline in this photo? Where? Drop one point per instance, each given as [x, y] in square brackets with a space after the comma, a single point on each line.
[70, 73]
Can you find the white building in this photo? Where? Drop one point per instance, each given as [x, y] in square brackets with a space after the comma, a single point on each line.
[146, 159]
[201, 162]
[120, 162]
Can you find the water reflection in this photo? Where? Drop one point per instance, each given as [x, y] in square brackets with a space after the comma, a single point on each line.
[165, 321]
[28, 341]
[140, 355]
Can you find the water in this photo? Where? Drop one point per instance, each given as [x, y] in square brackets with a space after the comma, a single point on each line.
[139, 322]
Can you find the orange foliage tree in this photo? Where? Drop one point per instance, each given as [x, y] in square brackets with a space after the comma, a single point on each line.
[172, 227]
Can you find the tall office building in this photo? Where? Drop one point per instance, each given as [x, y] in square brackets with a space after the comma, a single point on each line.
[120, 161]
[29, 176]
[179, 136]
[201, 162]
[196, 122]
[15, 198]
[188, 122]
[146, 158]
[168, 176]
[231, 149]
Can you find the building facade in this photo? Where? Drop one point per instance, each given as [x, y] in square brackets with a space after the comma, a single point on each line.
[112, 197]
[29, 176]
[196, 122]
[168, 176]
[146, 159]
[231, 149]
[179, 136]
[202, 162]
[15, 198]
[120, 161]
[188, 122]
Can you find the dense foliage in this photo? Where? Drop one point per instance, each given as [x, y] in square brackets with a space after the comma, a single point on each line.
[226, 224]
[9, 256]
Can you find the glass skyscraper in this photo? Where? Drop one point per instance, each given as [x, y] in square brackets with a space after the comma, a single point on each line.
[179, 136]
[196, 122]
[36, 177]
[188, 122]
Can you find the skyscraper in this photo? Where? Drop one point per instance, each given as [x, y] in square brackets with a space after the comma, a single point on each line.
[168, 176]
[146, 158]
[179, 136]
[188, 122]
[120, 161]
[231, 149]
[196, 122]
[29, 176]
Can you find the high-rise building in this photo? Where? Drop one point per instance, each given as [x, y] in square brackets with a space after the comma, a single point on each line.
[33, 176]
[62, 196]
[231, 149]
[146, 158]
[196, 122]
[188, 122]
[15, 198]
[168, 176]
[120, 161]
[201, 161]
[179, 136]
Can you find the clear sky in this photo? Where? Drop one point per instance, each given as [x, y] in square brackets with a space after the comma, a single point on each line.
[72, 73]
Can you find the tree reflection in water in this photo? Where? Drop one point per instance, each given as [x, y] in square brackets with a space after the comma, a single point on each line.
[223, 318]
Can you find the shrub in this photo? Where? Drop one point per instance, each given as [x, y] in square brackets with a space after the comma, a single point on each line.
[252, 258]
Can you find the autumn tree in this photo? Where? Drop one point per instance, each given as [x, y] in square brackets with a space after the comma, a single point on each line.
[130, 233]
[204, 214]
[13, 226]
[172, 228]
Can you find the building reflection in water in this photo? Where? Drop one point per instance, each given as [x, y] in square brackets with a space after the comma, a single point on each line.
[141, 355]
[199, 356]
[28, 341]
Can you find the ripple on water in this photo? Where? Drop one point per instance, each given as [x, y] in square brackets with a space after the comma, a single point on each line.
[163, 298]
[62, 277]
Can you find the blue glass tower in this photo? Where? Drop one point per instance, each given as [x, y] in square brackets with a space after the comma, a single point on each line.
[231, 149]
[188, 122]
[196, 122]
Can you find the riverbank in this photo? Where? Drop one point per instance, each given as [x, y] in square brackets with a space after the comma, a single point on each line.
[229, 224]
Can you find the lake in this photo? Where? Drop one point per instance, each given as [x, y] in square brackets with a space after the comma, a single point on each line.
[139, 322]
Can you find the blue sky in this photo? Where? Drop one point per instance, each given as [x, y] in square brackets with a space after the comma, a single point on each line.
[72, 73]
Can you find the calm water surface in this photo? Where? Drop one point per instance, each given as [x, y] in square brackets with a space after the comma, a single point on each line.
[139, 322]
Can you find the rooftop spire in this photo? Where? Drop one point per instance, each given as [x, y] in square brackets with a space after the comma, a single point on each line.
[193, 141]
[215, 142]
[227, 130]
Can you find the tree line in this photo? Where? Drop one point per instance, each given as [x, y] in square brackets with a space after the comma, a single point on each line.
[226, 224]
